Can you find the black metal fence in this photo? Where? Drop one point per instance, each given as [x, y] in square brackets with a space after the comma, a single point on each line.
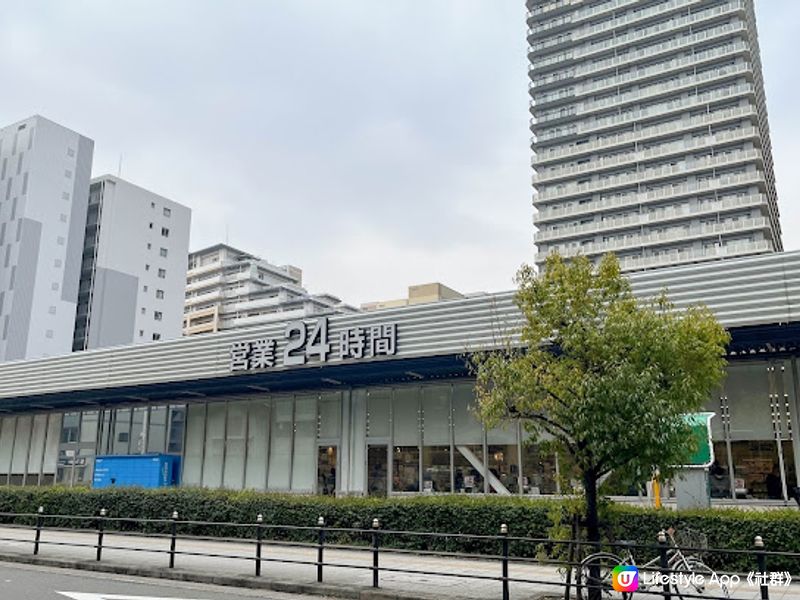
[586, 570]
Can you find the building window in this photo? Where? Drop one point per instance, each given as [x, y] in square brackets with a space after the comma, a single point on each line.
[160, 294]
[141, 333]
[162, 273]
[147, 267]
[151, 225]
[70, 152]
[144, 310]
[157, 315]
[60, 240]
[65, 196]
[144, 288]
[55, 286]
[163, 252]
[52, 310]
[152, 205]
[156, 336]
[149, 245]
[167, 212]
[68, 174]
[165, 232]
[48, 334]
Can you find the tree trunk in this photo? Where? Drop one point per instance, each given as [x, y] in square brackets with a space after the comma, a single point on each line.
[592, 531]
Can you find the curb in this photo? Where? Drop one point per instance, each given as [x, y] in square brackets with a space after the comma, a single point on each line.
[248, 582]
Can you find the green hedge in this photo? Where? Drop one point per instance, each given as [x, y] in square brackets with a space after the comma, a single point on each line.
[736, 529]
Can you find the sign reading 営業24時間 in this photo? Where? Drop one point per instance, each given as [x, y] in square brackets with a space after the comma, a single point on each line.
[308, 342]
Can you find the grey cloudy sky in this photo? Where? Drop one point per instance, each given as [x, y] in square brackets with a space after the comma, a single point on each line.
[374, 143]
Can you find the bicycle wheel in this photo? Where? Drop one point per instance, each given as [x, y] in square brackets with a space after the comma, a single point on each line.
[595, 574]
[693, 587]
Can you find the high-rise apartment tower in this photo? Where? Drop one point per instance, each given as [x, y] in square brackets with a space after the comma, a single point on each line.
[44, 190]
[133, 274]
[650, 131]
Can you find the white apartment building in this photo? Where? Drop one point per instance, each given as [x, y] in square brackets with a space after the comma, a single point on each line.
[650, 131]
[227, 288]
[133, 274]
[44, 189]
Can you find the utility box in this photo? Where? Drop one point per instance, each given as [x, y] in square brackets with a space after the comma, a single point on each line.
[140, 470]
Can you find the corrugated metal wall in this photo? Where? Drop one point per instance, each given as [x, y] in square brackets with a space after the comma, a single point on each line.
[749, 291]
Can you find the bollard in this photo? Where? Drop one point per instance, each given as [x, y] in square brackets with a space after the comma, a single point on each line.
[100, 526]
[259, 538]
[663, 560]
[761, 559]
[39, 523]
[375, 542]
[174, 532]
[321, 545]
[504, 537]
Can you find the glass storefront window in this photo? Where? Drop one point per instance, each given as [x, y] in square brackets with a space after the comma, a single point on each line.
[405, 469]
[192, 468]
[70, 427]
[538, 470]
[504, 467]
[257, 445]
[436, 438]
[468, 459]
[378, 409]
[90, 422]
[157, 433]
[280, 454]
[304, 461]
[177, 422]
[122, 431]
[330, 416]
[22, 439]
[138, 430]
[233, 473]
[215, 444]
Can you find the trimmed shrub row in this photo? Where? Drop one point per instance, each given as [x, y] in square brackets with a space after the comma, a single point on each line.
[730, 529]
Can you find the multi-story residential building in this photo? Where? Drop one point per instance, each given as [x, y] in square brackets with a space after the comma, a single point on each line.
[227, 288]
[133, 274]
[650, 131]
[44, 190]
[417, 294]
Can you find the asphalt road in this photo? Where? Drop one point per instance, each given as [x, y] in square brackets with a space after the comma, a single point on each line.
[24, 582]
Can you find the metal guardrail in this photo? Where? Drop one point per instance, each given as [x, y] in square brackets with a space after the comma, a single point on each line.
[586, 571]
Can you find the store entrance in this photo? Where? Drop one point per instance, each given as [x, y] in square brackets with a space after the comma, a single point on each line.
[377, 470]
[326, 470]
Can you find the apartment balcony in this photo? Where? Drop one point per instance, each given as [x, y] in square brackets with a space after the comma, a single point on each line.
[559, 212]
[559, 153]
[669, 149]
[650, 175]
[553, 7]
[668, 47]
[587, 31]
[667, 237]
[730, 8]
[695, 255]
[678, 105]
[649, 92]
[194, 285]
[662, 215]
[213, 296]
[658, 70]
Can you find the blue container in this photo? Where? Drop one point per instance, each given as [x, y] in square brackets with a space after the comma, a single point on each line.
[141, 470]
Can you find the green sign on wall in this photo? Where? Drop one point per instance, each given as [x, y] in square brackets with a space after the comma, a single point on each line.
[700, 423]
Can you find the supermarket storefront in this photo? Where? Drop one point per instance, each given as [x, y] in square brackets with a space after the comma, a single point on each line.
[382, 403]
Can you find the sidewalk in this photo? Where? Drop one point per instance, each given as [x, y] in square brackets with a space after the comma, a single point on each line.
[148, 557]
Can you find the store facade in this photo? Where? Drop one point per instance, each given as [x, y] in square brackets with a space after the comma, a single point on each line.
[383, 403]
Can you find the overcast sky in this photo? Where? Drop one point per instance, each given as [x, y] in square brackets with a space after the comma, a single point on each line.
[373, 143]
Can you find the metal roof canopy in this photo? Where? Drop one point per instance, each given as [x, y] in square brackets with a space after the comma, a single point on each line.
[329, 377]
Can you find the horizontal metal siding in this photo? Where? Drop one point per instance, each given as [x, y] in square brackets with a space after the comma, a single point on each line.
[750, 291]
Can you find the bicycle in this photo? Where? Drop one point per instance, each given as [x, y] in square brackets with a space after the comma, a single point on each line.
[678, 563]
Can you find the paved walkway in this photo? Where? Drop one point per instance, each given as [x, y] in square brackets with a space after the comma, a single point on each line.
[352, 571]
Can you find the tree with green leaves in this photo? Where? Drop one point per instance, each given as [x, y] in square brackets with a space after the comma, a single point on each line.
[604, 376]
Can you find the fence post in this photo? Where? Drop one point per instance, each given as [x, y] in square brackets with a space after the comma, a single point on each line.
[663, 560]
[259, 538]
[321, 525]
[100, 526]
[504, 537]
[761, 558]
[39, 523]
[174, 532]
[375, 543]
